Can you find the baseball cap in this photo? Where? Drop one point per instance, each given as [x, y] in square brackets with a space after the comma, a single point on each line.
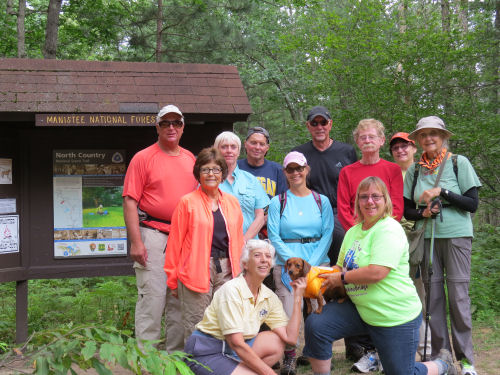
[168, 109]
[319, 111]
[431, 122]
[403, 136]
[258, 130]
[295, 157]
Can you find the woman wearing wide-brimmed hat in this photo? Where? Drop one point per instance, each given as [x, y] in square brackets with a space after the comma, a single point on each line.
[458, 191]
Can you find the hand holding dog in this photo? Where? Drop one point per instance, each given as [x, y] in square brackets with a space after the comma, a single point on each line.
[332, 280]
[299, 286]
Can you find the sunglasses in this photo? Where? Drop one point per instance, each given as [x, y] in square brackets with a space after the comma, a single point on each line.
[316, 123]
[401, 147]
[299, 168]
[167, 123]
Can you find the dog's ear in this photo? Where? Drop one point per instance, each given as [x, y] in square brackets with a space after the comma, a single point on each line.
[306, 267]
[286, 266]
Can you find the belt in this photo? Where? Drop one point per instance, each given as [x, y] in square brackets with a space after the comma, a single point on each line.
[217, 254]
[142, 225]
[302, 240]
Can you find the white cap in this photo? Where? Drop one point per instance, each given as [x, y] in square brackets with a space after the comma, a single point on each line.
[168, 109]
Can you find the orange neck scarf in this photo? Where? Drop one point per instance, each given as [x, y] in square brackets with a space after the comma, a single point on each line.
[431, 165]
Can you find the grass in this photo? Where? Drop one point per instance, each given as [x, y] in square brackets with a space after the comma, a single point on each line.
[114, 218]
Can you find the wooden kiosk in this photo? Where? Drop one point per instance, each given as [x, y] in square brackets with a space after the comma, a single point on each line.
[68, 130]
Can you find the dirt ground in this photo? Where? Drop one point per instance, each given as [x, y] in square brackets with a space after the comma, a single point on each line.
[487, 359]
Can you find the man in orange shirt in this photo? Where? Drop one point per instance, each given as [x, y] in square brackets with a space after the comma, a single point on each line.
[156, 179]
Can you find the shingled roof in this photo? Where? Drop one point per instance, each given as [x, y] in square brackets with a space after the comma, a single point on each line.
[69, 86]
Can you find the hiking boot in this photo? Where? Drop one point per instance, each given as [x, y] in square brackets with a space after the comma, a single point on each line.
[289, 365]
[467, 368]
[369, 362]
[446, 357]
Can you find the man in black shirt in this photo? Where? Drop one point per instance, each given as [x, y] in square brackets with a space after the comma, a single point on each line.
[326, 158]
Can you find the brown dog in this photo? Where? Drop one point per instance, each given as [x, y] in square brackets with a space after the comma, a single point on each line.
[298, 267]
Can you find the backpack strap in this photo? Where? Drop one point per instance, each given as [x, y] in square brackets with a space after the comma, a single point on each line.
[282, 202]
[415, 177]
[317, 198]
[454, 158]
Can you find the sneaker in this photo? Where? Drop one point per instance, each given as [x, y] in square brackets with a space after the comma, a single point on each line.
[369, 362]
[446, 357]
[289, 365]
[354, 352]
[467, 368]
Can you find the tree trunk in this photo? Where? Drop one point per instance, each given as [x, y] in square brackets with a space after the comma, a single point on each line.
[8, 8]
[402, 10]
[50, 47]
[21, 47]
[445, 16]
[446, 82]
[159, 27]
[463, 15]
[496, 57]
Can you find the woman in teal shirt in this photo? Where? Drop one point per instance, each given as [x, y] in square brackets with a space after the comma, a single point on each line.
[300, 224]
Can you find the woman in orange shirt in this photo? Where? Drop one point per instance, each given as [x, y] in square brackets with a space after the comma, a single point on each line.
[205, 241]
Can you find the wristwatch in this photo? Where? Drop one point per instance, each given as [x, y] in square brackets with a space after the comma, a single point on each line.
[342, 277]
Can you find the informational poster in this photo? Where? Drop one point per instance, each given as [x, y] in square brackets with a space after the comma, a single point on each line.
[9, 234]
[8, 206]
[88, 212]
[5, 171]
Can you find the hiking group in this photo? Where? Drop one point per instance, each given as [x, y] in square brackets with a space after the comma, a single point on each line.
[210, 237]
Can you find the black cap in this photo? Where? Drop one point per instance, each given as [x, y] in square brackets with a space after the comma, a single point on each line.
[258, 130]
[319, 111]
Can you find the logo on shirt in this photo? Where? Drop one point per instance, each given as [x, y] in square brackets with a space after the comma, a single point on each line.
[268, 185]
[263, 313]
[339, 165]
[350, 257]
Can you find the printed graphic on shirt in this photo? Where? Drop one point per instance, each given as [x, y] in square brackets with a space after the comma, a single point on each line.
[350, 257]
[350, 263]
[268, 185]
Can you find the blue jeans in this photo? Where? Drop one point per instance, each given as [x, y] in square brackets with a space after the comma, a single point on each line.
[396, 345]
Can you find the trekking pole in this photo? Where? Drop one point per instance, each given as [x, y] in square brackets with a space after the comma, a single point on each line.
[434, 203]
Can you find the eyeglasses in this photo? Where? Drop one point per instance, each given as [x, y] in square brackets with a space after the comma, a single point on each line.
[167, 123]
[214, 170]
[366, 197]
[299, 168]
[316, 123]
[369, 137]
[402, 147]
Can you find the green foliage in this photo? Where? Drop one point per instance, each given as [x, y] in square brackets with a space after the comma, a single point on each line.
[485, 270]
[108, 301]
[101, 348]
